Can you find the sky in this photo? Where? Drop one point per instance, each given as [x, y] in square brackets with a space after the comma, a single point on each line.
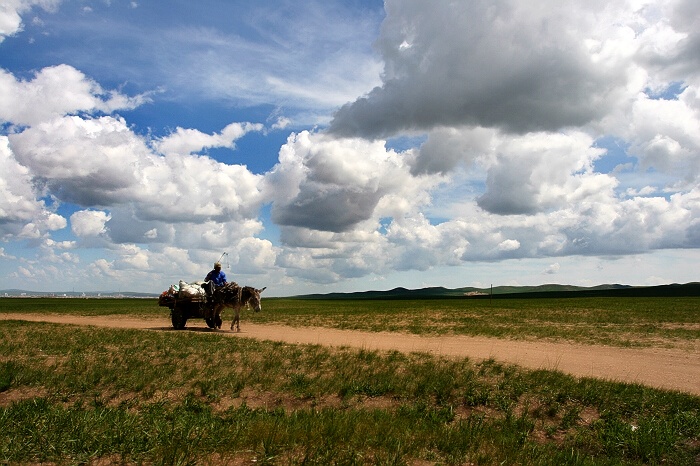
[330, 146]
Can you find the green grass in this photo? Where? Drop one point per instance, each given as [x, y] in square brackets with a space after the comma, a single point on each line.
[73, 395]
[85, 307]
[611, 321]
[616, 321]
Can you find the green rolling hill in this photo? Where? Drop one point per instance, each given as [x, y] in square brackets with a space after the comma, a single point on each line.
[500, 292]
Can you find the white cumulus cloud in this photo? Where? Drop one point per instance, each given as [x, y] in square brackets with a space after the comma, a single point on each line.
[54, 92]
[89, 222]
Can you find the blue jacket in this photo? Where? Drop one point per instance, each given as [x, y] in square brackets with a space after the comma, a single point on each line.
[218, 277]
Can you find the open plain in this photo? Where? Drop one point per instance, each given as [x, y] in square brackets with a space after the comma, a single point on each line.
[673, 369]
[364, 382]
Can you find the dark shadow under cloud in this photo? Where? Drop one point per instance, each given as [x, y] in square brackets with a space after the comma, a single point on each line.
[335, 211]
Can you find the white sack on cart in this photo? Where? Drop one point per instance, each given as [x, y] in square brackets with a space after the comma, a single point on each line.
[191, 290]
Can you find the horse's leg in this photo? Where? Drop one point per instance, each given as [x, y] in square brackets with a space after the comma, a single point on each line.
[236, 318]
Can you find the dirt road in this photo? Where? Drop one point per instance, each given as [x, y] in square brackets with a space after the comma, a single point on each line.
[662, 368]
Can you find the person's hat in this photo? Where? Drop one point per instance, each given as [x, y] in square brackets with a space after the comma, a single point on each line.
[217, 265]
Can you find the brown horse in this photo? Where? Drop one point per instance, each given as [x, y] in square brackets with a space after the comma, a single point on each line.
[234, 296]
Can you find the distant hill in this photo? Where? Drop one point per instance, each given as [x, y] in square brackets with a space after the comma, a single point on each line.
[437, 292]
[500, 292]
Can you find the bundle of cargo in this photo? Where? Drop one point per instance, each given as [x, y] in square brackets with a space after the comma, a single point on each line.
[191, 290]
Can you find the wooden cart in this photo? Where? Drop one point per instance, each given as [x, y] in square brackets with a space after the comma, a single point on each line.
[183, 308]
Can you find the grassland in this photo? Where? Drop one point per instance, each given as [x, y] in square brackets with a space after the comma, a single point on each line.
[626, 322]
[670, 322]
[73, 395]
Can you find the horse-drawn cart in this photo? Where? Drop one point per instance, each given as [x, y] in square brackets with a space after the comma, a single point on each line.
[184, 307]
[192, 302]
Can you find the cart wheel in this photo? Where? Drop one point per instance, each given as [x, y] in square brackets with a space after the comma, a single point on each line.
[178, 318]
[210, 322]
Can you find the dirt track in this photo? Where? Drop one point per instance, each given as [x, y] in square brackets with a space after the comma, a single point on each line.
[662, 368]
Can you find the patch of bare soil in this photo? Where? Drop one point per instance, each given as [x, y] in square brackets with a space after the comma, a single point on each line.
[23, 393]
[673, 369]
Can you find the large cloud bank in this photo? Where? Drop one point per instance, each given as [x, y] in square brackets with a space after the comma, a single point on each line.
[154, 202]
[515, 106]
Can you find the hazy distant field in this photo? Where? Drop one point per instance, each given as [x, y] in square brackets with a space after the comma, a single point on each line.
[86, 395]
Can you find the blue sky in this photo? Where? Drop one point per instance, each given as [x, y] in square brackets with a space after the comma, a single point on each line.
[348, 145]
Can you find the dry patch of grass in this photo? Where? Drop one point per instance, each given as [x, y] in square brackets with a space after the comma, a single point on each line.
[15, 395]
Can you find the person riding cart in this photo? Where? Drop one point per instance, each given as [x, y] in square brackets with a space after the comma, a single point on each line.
[217, 275]
[216, 278]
